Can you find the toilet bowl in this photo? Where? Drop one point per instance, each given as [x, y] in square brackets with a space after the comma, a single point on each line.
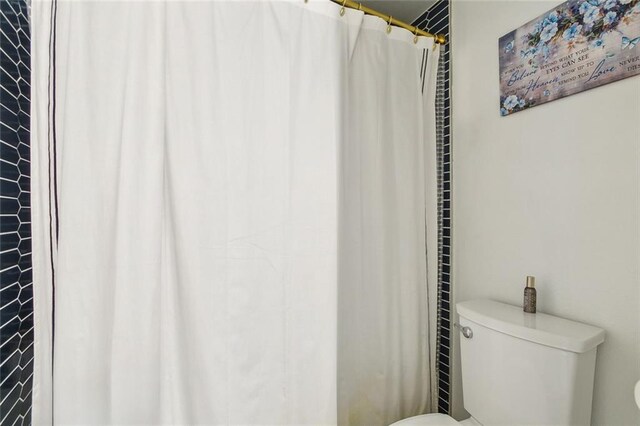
[435, 420]
[520, 368]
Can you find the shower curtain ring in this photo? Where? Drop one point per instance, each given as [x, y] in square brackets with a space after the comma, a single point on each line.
[342, 9]
[389, 25]
[415, 35]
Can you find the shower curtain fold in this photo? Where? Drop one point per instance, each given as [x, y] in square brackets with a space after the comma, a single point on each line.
[192, 180]
[384, 340]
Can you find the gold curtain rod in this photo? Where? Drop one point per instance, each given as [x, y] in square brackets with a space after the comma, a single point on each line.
[439, 38]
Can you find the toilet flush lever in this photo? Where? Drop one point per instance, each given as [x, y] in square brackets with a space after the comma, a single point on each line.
[466, 331]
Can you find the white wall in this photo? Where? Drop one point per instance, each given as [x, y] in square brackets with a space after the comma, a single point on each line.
[405, 10]
[552, 192]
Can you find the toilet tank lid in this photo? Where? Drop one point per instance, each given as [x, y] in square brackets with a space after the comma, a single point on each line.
[539, 328]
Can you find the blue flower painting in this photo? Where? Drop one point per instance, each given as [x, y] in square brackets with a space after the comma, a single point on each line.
[548, 32]
[578, 45]
[610, 18]
[511, 102]
[585, 7]
[592, 15]
[572, 32]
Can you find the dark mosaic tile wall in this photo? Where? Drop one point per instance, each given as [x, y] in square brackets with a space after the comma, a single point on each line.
[16, 295]
[436, 21]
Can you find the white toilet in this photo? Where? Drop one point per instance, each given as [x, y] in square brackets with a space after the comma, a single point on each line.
[522, 369]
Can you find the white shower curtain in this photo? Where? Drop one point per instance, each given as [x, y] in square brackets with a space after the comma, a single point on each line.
[388, 170]
[191, 165]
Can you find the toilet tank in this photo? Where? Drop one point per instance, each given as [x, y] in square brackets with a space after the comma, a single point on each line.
[525, 369]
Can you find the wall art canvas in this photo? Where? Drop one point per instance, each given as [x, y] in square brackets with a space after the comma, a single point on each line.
[579, 45]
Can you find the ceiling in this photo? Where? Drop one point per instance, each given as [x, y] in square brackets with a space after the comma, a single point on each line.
[404, 10]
